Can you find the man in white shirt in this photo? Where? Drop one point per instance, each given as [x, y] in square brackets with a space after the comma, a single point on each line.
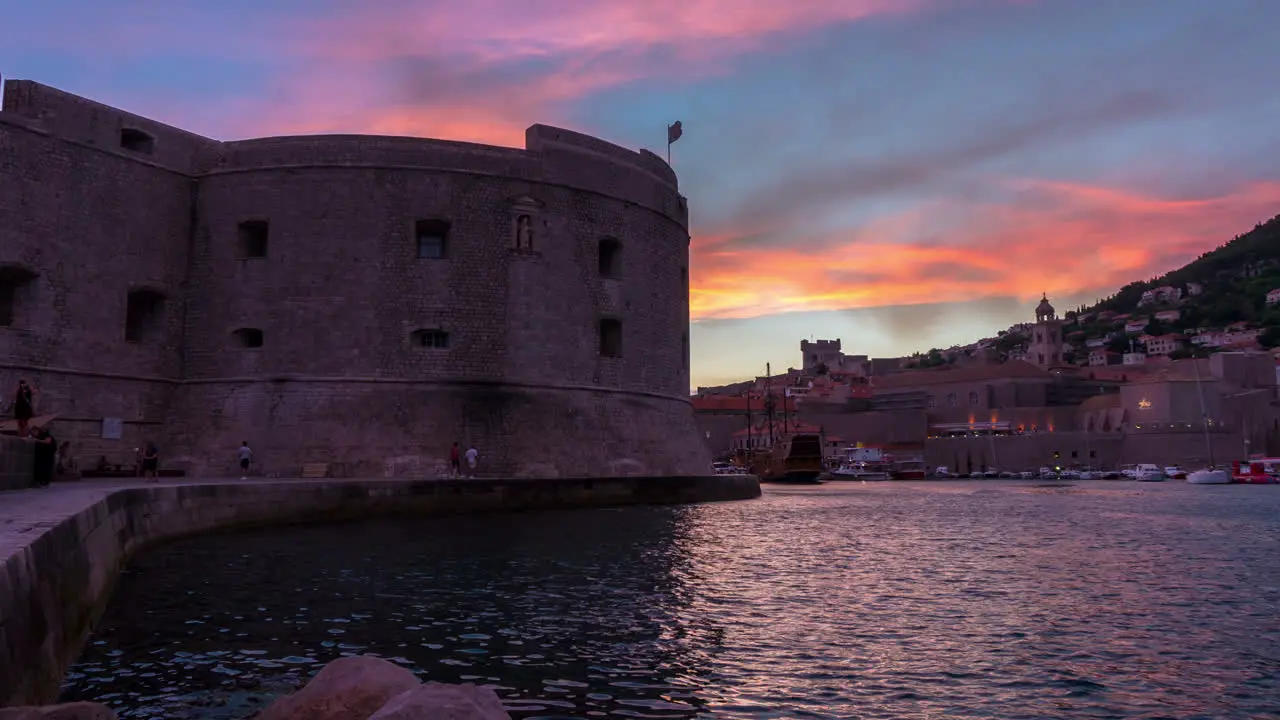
[472, 456]
[245, 456]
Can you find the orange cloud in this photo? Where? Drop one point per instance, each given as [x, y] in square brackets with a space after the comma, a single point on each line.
[1059, 238]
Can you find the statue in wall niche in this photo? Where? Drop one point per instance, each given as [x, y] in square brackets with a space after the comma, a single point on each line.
[524, 233]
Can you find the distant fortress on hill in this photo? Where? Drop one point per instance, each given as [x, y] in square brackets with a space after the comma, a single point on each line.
[356, 301]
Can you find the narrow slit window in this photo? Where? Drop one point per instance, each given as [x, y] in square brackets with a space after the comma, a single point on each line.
[432, 239]
[610, 338]
[610, 257]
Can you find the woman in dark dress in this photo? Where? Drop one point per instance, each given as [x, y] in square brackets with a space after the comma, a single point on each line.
[150, 462]
[24, 407]
[42, 465]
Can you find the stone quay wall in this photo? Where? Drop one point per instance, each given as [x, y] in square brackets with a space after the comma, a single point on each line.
[16, 458]
[275, 291]
[55, 588]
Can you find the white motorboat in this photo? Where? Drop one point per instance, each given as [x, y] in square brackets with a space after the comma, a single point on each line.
[1209, 476]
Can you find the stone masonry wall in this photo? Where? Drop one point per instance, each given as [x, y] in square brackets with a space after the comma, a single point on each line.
[340, 293]
[57, 586]
[16, 457]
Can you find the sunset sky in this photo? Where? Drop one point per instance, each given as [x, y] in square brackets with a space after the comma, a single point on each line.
[901, 174]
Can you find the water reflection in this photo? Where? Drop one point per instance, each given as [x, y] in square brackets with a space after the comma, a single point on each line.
[993, 600]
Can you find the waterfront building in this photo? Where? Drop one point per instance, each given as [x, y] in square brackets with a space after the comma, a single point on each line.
[355, 301]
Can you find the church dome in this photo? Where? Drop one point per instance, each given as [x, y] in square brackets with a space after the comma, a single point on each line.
[1044, 309]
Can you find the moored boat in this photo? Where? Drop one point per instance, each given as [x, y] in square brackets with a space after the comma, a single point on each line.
[1260, 471]
[795, 458]
[908, 469]
[1209, 476]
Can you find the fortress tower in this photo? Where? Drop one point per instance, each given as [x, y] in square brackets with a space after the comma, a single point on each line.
[357, 300]
[1045, 350]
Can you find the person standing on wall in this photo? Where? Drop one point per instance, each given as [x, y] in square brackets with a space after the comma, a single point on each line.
[455, 460]
[151, 462]
[473, 456]
[246, 456]
[24, 407]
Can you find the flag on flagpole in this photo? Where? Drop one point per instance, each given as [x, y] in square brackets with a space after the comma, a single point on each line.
[674, 131]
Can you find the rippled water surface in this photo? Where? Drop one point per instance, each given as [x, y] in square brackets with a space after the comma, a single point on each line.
[889, 600]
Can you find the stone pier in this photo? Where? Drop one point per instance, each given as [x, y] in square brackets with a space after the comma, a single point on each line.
[62, 548]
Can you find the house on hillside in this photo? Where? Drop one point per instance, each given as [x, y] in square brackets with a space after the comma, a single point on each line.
[1164, 344]
[1162, 294]
[1101, 356]
[1168, 315]
[1136, 326]
[1273, 297]
[1194, 288]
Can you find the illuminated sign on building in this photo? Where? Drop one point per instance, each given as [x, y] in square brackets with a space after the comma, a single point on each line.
[1144, 404]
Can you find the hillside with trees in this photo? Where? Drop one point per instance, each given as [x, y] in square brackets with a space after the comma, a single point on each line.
[1222, 287]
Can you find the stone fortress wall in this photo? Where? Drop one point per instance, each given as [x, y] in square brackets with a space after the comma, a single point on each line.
[272, 290]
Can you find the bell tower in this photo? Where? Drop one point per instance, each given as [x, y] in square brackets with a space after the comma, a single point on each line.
[1046, 337]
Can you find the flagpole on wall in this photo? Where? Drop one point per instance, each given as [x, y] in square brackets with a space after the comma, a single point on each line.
[674, 131]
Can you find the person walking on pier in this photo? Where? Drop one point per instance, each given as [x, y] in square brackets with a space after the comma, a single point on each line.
[473, 456]
[455, 460]
[246, 456]
[151, 462]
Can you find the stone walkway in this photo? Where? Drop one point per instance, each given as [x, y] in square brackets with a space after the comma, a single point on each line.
[26, 514]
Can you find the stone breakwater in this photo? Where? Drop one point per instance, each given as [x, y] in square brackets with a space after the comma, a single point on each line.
[350, 688]
[62, 548]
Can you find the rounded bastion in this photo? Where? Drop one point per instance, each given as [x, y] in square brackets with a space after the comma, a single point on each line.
[355, 304]
[367, 301]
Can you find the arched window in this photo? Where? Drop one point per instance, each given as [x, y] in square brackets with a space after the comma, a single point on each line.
[247, 337]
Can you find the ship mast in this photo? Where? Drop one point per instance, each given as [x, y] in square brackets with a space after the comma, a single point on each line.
[768, 400]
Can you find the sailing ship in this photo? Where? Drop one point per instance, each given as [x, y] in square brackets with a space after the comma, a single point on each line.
[795, 458]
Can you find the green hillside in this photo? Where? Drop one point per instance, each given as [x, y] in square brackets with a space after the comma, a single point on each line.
[1235, 279]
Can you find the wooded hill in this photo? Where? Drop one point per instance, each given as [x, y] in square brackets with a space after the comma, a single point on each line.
[1234, 278]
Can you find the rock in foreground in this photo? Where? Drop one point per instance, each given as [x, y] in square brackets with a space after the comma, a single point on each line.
[349, 688]
[438, 701]
[68, 711]
[370, 688]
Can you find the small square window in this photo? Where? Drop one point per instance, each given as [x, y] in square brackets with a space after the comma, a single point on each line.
[432, 237]
[251, 238]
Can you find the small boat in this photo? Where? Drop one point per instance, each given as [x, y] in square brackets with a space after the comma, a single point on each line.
[796, 458]
[859, 471]
[1173, 472]
[1209, 476]
[908, 469]
[1263, 471]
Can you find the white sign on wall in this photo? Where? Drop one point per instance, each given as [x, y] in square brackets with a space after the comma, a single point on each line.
[112, 428]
